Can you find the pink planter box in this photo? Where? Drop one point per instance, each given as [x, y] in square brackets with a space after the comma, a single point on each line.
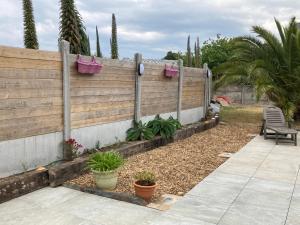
[86, 67]
[171, 71]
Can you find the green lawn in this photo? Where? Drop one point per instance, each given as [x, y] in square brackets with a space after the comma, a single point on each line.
[242, 114]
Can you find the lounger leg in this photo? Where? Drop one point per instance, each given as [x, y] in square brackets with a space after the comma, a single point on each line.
[276, 134]
[295, 139]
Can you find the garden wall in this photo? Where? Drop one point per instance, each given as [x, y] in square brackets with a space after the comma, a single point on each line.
[102, 105]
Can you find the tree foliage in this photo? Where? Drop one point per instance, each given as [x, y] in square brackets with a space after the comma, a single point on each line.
[72, 28]
[98, 49]
[189, 52]
[270, 63]
[30, 37]
[216, 51]
[113, 40]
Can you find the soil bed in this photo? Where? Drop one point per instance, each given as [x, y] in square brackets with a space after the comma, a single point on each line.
[179, 166]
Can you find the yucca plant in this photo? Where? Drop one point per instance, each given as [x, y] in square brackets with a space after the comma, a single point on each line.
[162, 127]
[105, 161]
[139, 131]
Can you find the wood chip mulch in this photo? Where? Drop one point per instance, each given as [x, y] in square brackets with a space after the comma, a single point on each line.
[179, 166]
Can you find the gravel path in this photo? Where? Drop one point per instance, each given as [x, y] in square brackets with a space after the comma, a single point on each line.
[181, 165]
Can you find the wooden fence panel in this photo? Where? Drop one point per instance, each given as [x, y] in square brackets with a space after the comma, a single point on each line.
[30, 92]
[105, 97]
[193, 88]
[159, 93]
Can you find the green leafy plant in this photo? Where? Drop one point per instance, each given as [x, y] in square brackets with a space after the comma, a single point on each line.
[162, 127]
[105, 161]
[139, 132]
[145, 178]
[175, 122]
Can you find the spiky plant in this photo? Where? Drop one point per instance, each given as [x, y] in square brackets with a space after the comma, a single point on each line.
[69, 27]
[30, 37]
[98, 49]
[272, 64]
[114, 41]
[189, 53]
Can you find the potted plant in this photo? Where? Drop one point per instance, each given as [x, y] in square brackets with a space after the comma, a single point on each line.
[104, 166]
[71, 149]
[145, 185]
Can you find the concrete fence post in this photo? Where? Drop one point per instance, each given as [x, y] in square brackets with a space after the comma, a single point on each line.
[138, 88]
[206, 89]
[180, 84]
[65, 51]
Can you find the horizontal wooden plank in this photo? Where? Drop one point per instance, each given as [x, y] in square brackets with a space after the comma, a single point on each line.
[101, 113]
[15, 73]
[101, 91]
[29, 93]
[101, 106]
[29, 64]
[25, 53]
[6, 114]
[101, 99]
[30, 83]
[102, 120]
[101, 84]
[28, 131]
[150, 110]
[105, 71]
[30, 103]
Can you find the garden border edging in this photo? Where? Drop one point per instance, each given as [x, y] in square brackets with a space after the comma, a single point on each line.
[20, 184]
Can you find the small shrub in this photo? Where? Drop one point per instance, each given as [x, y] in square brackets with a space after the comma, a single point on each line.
[175, 122]
[145, 178]
[74, 147]
[162, 127]
[105, 161]
[139, 132]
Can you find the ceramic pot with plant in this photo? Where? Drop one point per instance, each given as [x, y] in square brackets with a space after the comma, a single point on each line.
[145, 185]
[104, 166]
[71, 149]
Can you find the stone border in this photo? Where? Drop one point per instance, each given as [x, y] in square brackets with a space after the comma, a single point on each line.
[17, 185]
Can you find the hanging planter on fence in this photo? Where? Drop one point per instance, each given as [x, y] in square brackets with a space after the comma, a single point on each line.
[88, 67]
[171, 71]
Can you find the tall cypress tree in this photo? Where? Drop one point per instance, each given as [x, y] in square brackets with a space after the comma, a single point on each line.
[30, 37]
[195, 55]
[189, 53]
[199, 52]
[114, 41]
[69, 27]
[98, 50]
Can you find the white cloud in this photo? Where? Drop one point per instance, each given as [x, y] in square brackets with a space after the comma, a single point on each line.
[148, 26]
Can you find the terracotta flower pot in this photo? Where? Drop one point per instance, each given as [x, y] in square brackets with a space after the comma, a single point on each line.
[145, 192]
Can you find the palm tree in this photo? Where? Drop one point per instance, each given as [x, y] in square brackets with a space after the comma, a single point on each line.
[271, 64]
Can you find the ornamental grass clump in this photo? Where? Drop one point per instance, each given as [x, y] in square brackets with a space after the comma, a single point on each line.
[105, 161]
[145, 178]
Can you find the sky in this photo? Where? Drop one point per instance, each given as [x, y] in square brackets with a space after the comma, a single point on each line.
[150, 27]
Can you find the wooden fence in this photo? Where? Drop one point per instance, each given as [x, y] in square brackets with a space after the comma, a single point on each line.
[32, 96]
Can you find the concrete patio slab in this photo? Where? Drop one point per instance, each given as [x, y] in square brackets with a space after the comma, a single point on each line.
[247, 214]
